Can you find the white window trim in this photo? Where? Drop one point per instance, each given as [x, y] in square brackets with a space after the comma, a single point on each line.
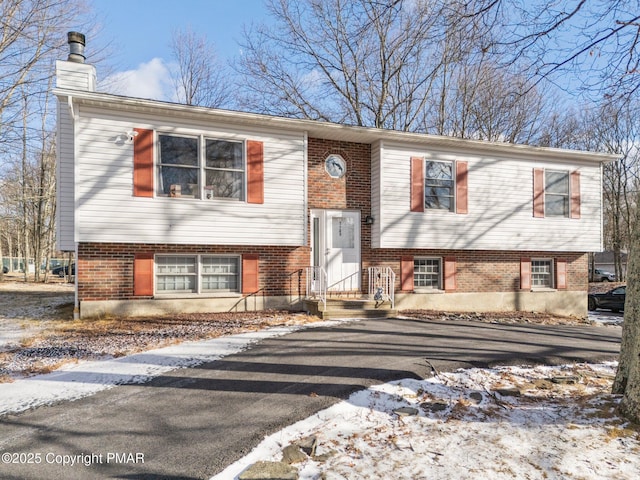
[568, 174]
[159, 165]
[552, 275]
[453, 187]
[422, 289]
[198, 275]
[202, 169]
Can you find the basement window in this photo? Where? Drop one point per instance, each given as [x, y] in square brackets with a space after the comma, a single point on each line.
[541, 273]
[197, 273]
[427, 273]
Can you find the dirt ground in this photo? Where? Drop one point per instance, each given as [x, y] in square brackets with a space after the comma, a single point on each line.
[38, 333]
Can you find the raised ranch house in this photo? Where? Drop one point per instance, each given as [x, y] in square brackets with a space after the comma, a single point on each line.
[175, 208]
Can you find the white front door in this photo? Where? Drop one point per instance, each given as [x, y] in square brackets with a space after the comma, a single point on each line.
[336, 247]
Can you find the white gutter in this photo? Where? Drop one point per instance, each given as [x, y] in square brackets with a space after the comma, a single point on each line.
[327, 130]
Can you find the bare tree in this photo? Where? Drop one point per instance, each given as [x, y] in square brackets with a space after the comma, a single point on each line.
[200, 79]
[357, 62]
[616, 129]
[591, 45]
[474, 109]
[401, 65]
[386, 64]
[31, 33]
[597, 43]
[32, 37]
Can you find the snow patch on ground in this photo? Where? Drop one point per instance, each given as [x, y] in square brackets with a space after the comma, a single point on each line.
[550, 431]
[606, 318]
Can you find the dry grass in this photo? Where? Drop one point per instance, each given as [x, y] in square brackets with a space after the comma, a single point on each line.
[65, 341]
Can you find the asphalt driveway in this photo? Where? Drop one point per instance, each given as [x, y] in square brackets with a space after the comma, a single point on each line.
[193, 422]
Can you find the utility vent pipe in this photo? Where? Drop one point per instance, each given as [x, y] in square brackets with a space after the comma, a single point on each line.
[76, 47]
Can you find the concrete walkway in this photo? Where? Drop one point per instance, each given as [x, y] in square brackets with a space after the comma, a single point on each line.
[191, 423]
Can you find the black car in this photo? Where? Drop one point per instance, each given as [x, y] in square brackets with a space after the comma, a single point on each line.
[62, 271]
[5, 269]
[612, 300]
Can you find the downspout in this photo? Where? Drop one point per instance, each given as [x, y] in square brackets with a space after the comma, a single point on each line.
[76, 301]
[71, 110]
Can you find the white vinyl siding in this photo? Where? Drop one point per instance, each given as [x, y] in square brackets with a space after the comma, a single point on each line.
[376, 187]
[108, 211]
[65, 187]
[75, 76]
[500, 205]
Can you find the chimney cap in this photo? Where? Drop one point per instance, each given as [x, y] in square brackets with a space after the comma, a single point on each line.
[76, 37]
[76, 41]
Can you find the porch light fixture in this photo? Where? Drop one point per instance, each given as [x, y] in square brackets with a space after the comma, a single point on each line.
[368, 220]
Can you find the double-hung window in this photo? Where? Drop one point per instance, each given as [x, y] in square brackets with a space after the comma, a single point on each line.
[556, 193]
[541, 273]
[197, 273]
[224, 170]
[427, 273]
[439, 185]
[187, 169]
[178, 166]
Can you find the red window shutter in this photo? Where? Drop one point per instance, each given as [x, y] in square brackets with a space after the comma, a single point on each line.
[462, 189]
[561, 274]
[250, 277]
[417, 187]
[255, 172]
[449, 274]
[143, 163]
[538, 192]
[525, 274]
[406, 274]
[143, 274]
[575, 194]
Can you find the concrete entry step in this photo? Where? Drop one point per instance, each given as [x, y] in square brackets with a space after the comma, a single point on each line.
[349, 308]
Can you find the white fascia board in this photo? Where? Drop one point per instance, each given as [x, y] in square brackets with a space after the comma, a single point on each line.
[334, 131]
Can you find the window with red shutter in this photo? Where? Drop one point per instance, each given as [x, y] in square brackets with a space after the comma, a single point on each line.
[255, 172]
[462, 189]
[575, 194]
[143, 274]
[250, 273]
[561, 274]
[538, 192]
[143, 163]
[406, 274]
[417, 184]
[449, 274]
[525, 274]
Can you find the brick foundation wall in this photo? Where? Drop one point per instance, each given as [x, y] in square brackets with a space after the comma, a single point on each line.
[483, 271]
[105, 270]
